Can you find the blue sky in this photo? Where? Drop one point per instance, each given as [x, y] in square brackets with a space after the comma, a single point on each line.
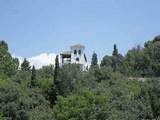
[31, 27]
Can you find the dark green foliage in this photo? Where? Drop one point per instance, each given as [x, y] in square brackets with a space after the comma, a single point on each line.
[154, 97]
[16, 98]
[22, 77]
[109, 92]
[10, 104]
[103, 101]
[3, 45]
[81, 107]
[94, 61]
[145, 61]
[136, 63]
[16, 101]
[1, 117]
[115, 50]
[8, 64]
[41, 113]
[94, 68]
[153, 54]
[156, 39]
[44, 77]
[33, 77]
[54, 88]
[67, 78]
[46, 72]
[56, 71]
[107, 61]
[25, 66]
[116, 61]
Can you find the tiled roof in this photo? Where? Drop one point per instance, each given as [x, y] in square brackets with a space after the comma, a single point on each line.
[78, 46]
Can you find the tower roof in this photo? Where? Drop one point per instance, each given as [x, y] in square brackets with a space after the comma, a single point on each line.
[78, 46]
[66, 53]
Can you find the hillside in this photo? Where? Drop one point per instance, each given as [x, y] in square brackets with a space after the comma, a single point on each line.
[120, 88]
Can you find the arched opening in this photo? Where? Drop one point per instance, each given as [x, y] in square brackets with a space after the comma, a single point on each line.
[77, 59]
[75, 52]
[79, 52]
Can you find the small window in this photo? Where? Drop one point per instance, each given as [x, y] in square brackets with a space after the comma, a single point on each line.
[79, 52]
[77, 59]
[75, 51]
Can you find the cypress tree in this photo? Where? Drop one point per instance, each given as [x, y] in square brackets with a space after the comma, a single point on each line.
[94, 61]
[115, 50]
[54, 92]
[114, 58]
[94, 67]
[33, 77]
[56, 71]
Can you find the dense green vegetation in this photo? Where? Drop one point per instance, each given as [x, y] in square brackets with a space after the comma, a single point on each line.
[120, 88]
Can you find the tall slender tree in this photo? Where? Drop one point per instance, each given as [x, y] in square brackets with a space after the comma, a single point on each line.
[54, 92]
[95, 67]
[56, 68]
[115, 58]
[94, 61]
[33, 77]
[115, 50]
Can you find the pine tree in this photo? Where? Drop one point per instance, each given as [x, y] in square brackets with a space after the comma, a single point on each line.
[25, 65]
[33, 77]
[115, 50]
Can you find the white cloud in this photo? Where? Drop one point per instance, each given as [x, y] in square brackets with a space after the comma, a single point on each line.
[40, 60]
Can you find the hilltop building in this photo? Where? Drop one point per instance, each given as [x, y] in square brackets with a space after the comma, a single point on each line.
[75, 55]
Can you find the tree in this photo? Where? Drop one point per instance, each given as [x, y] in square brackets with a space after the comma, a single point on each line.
[152, 52]
[1, 117]
[8, 64]
[46, 72]
[115, 61]
[25, 65]
[153, 91]
[12, 109]
[88, 106]
[137, 62]
[115, 51]
[94, 61]
[94, 68]
[33, 77]
[106, 61]
[41, 113]
[54, 90]
[19, 100]
[4, 45]
[144, 61]
[56, 71]
[67, 78]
